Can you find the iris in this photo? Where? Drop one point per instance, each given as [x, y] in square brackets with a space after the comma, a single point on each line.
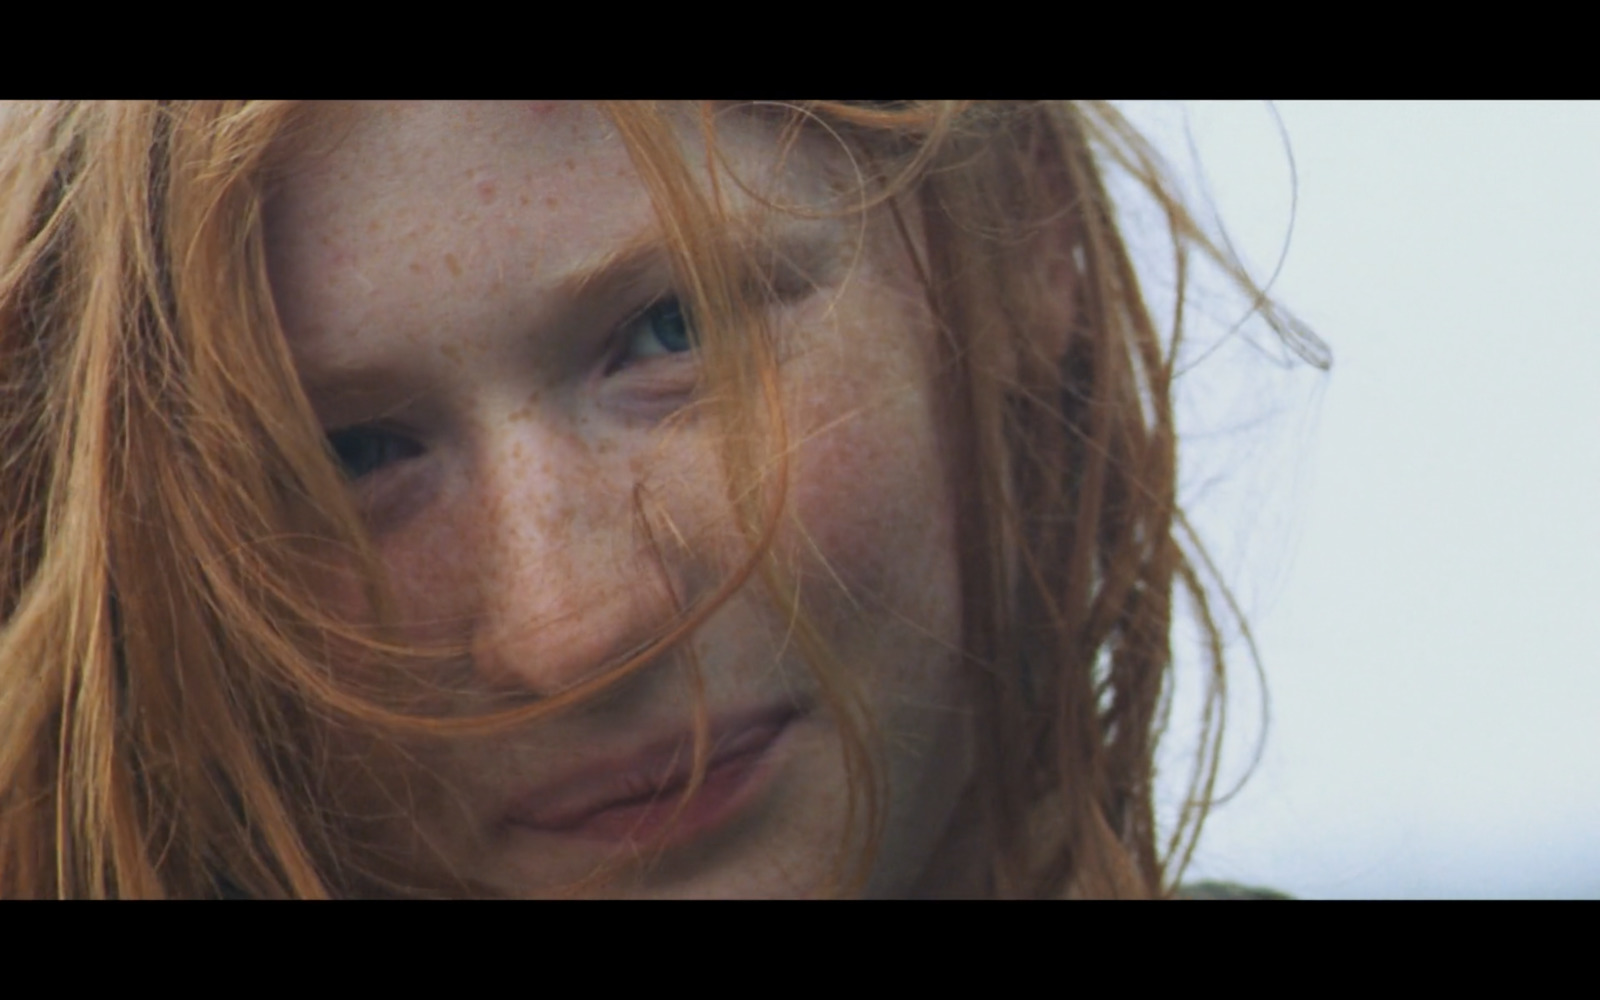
[661, 330]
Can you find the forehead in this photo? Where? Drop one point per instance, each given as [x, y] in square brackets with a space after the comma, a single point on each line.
[400, 199]
[555, 162]
[406, 171]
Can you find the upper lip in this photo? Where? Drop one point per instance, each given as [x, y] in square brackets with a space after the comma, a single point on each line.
[654, 769]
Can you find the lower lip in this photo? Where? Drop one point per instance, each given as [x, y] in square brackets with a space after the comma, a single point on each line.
[665, 819]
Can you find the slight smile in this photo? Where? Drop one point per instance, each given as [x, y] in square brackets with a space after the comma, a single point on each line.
[638, 796]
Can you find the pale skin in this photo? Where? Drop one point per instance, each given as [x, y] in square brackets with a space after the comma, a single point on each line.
[479, 309]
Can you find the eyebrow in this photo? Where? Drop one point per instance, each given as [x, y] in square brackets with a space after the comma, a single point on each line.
[796, 250]
[373, 390]
[794, 255]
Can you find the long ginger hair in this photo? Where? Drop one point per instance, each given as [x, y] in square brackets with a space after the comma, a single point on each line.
[168, 503]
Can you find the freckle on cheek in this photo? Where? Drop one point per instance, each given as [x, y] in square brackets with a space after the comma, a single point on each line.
[561, 523]
[551, 201]
[453, 264]
[487, 190]
[451, 351]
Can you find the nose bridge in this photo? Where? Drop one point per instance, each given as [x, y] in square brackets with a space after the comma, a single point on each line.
[564, 589]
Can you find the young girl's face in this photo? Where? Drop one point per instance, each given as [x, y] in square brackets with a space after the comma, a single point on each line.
[479, 302]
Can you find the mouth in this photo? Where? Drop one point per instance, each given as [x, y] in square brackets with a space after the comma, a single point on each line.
[639, 796]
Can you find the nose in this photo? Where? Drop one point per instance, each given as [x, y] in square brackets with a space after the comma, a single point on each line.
[568, 585]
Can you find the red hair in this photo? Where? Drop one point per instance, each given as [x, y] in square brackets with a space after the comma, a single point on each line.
[167, 715]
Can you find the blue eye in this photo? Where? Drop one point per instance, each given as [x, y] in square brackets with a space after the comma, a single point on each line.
[661, 330]
[361, 451]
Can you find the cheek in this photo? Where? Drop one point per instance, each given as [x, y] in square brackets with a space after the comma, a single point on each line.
[870, 497]
[432, 570]
[870, 489]
[427, 569]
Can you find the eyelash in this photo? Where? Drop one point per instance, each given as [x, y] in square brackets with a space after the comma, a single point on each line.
[364, 449]
[680, 332]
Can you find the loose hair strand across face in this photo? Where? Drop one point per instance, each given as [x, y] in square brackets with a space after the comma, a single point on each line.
[171, 719]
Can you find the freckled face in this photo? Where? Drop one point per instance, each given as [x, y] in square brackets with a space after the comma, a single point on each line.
[482, 314]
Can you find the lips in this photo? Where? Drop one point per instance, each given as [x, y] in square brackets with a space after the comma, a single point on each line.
[638, 795]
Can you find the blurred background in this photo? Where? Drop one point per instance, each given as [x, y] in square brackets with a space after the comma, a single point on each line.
[1412, 535]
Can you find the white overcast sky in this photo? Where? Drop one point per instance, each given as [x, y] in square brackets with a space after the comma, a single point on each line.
[1414, 533]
